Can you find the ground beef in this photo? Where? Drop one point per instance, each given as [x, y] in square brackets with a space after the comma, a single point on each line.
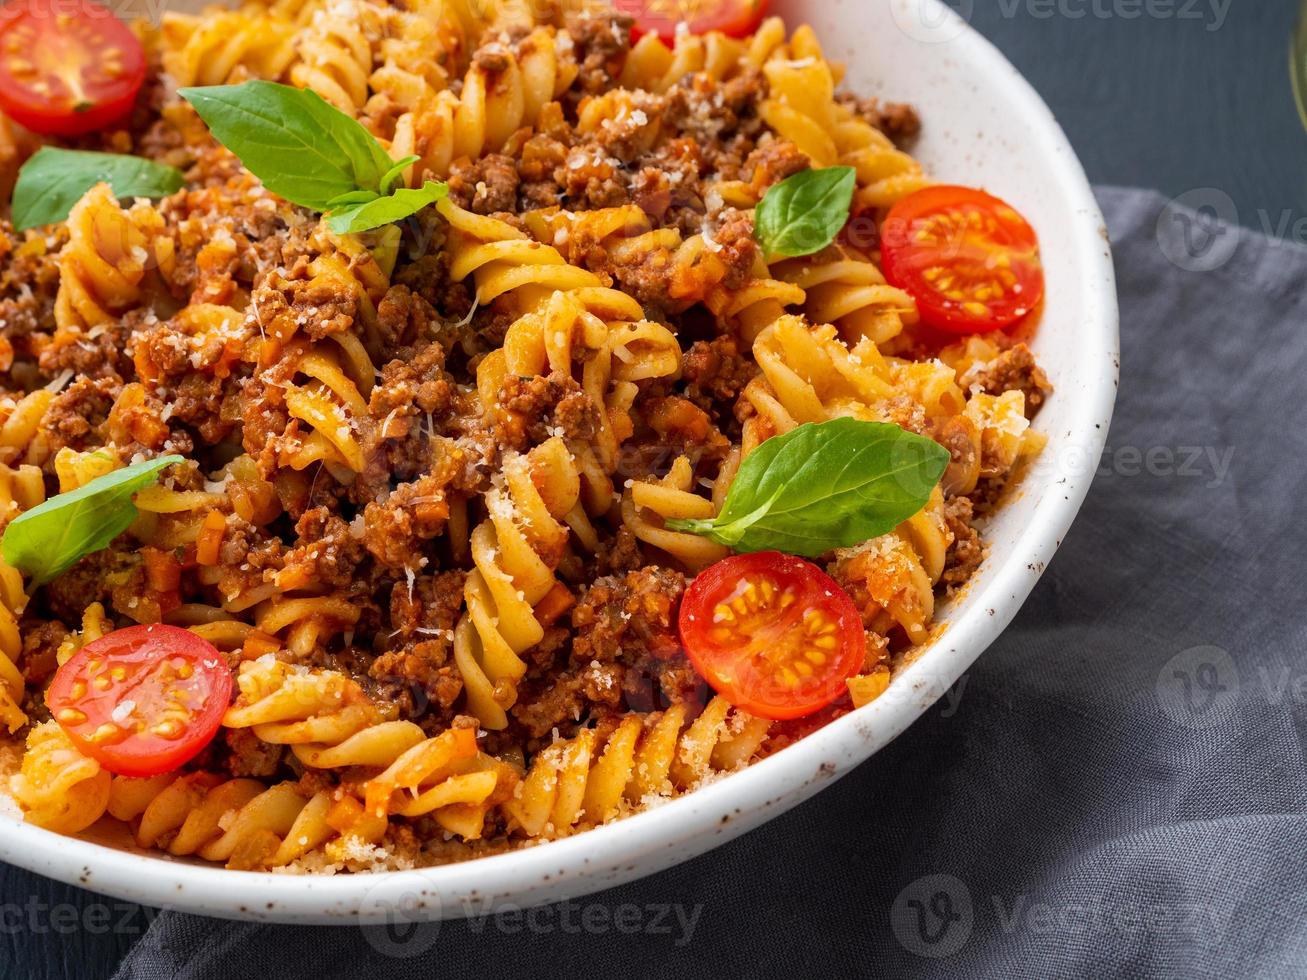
[292, 304]
[198, 402]
[622, 627]
[113, 576]
[896, 120]
[620, 554]
[428, 277]
[967, 550]
[95, 353]
[560, 701]
[41, 642]
[327, 553]
[249, 756]
[772, 162]
[684, 429]
[423, 615]
[737, 248]
[534, 409]
[601, 40]
[628, 616]
[29, 280]
[590, 179]
[1014, 370]
[414, 379]
[716, 370]
[396, 529]
[247, 557]
[76, 413]
[543, 156]
[405, 317]
[486, 186]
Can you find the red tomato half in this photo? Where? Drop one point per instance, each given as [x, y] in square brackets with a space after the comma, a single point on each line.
[735, 18]
[773, 634]
[969, 260]
[142, 700]
[67, 67]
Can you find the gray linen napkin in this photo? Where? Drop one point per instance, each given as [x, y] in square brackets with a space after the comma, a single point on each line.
[1117, 787]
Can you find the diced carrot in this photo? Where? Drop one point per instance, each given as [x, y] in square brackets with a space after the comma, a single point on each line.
[162, 572]
[209, 543]
[344, 813]
[257, 644]
[557, 601]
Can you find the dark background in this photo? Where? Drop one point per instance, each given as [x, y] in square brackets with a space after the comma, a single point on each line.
[1165, 103]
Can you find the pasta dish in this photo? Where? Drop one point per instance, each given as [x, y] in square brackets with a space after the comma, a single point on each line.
[433, 427]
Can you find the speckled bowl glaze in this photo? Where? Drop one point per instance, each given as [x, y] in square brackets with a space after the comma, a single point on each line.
[984, 126]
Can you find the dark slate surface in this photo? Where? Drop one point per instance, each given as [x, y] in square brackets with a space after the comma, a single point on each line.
[1176, 103]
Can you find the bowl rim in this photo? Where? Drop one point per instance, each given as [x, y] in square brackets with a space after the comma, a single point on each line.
[659, 838]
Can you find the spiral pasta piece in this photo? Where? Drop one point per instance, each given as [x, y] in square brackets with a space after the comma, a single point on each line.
[602, 332]
[655, 67]
[24, 441]
[505, 89]
[844, 287]
[898, 571]
[304, 620]
[285, 704]
[802, 108]
[1004, 431]
[57, 787]
[647, 504]
[335, 53]
[505, 261]
[576, 784]
[219, 45]
[12, 686]
[239, 822]
[444, 777]
[758, 304]
[328, 723]
[809, 375]
[102, 265]
[514, 553]
[327, 394]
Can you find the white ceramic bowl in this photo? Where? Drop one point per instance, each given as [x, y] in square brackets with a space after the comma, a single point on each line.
[984, 126]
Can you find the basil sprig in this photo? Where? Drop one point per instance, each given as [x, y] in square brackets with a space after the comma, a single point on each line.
[49, 539]
[311, 153]
[803, 213]
[53, 180]
[825, 485]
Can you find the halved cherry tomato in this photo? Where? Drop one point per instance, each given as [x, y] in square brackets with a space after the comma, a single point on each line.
[67, 67]
[969, 260]
[773, 634]
[142, 700]
[735, 18]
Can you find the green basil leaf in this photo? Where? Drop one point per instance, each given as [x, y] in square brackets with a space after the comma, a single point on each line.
[53, 180]
[49, 539]
[384, 210]
[396, 173]
[825, 485]
[352, 198]
[300, 146]
[803, 213]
